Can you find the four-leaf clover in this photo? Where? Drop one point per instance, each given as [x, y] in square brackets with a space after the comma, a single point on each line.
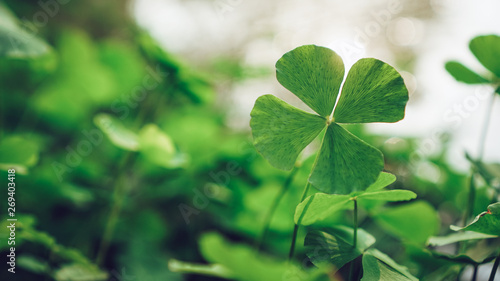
[372, 92]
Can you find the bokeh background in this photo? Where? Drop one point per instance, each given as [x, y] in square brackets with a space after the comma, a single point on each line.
[128, 124]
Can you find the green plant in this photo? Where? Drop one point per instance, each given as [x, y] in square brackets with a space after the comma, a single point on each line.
[485, 226]
[345, 167]
[372, 92]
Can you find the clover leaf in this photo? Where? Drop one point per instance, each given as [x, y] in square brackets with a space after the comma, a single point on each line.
[487, 222]
[334, 245]
[320, 206]
[379, 266]
[372, 92]
[486, 48]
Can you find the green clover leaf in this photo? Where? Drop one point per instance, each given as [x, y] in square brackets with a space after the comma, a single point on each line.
[334, 245]
[486, 49]
[372, 92]
[379, 266]
[487, 222]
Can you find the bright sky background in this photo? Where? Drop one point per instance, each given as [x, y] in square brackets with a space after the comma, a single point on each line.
[415, 36]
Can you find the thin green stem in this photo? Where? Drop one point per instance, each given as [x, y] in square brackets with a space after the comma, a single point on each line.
[118, 198]
[355, 238]
[469, 210]
[486, 124]
[274, 206]
[494, 269]
[472, 198]
[294, 239]
[296, 227]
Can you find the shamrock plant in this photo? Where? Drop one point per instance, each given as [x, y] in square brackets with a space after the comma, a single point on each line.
[373, 91]
[346, 168]
[476, 240]
[486, 49]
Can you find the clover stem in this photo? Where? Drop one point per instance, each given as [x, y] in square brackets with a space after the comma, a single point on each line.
[355, 238]
[486, 124]
[472, 197]
[296, 227]
[274, 206]
[468, 211]
[355, 235]
[494, 268]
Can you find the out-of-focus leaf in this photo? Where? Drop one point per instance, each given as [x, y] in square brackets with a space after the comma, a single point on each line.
[23, 222]
[116, 132]
[18, 153]
[158, 148]
[81, 68]
[127, 67]
[33, 264]
[388, 195]
[79, 196]
[203, 269]
[377, 266]
[143, 260]
[486, 48]
[252, 218]
[487, 222]
[191, 83]
[26, 231]
[457, 237]
[335, 245]
[236, 70]
[480, 255]
[15, 42]
[415, 221]
[80, 83]
[80, 272]
[245, 264]
[44, 239]
[463, 74]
